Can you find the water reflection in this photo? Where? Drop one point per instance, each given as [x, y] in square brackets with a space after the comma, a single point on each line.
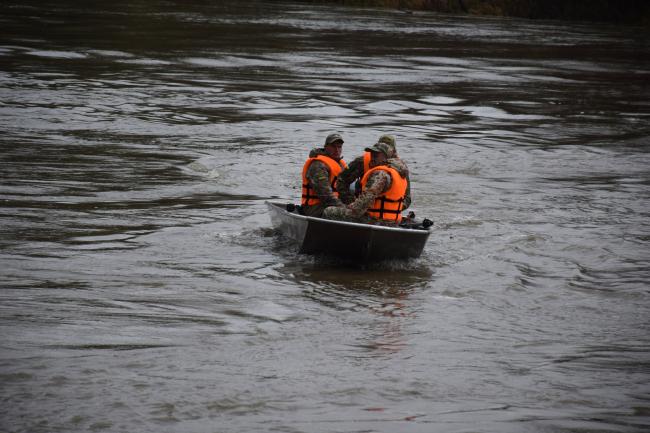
[380, 290]
[380, 279]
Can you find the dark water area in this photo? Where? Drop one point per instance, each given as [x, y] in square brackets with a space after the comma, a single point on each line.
[143, 288]
[635, 12]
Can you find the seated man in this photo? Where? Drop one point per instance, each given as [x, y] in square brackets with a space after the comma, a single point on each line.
[319, 177]
[383, 188]
[360, 165]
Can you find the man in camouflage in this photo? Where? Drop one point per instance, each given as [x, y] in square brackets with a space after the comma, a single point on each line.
[355, 172]
[318, 176]
[377, 184]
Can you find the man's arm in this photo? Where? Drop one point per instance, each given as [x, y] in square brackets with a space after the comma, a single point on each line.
[319, 177]
[347, 177]
[378, 183]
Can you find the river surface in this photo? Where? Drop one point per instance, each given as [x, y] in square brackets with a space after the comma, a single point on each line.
[143, 289]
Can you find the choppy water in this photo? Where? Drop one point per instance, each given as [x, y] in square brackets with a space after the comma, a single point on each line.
[143, 289]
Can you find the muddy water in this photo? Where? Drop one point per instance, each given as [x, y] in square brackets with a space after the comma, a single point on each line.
[143, 288]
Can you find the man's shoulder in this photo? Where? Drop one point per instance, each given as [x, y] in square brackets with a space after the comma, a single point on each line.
[355, 164]
[399, 165]
[378, 176]
[316, 152]
[317, 166]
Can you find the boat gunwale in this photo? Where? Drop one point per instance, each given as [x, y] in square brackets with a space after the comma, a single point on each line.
[281, 207]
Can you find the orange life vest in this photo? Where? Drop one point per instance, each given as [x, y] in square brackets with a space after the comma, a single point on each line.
[388, 206]
[309, 198]
[367, 156]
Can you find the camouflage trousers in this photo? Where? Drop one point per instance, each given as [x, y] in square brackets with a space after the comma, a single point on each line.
[344, 214]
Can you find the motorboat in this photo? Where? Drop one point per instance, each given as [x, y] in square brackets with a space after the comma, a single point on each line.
[349, 240]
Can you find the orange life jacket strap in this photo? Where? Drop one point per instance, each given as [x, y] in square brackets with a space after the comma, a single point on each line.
[382, 210]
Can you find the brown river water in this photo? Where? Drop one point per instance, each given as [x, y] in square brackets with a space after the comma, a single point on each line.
[143, 289]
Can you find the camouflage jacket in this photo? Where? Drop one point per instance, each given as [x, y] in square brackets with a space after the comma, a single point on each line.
[354, 173]
[378, 183]
[318, 175]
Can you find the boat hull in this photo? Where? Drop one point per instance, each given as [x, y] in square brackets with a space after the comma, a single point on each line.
[356, 241]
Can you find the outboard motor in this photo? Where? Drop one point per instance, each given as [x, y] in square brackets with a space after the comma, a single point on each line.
[427, 223]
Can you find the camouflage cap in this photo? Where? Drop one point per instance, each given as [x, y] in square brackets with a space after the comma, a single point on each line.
[382, 147]
[390, 141]
[332, 138]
